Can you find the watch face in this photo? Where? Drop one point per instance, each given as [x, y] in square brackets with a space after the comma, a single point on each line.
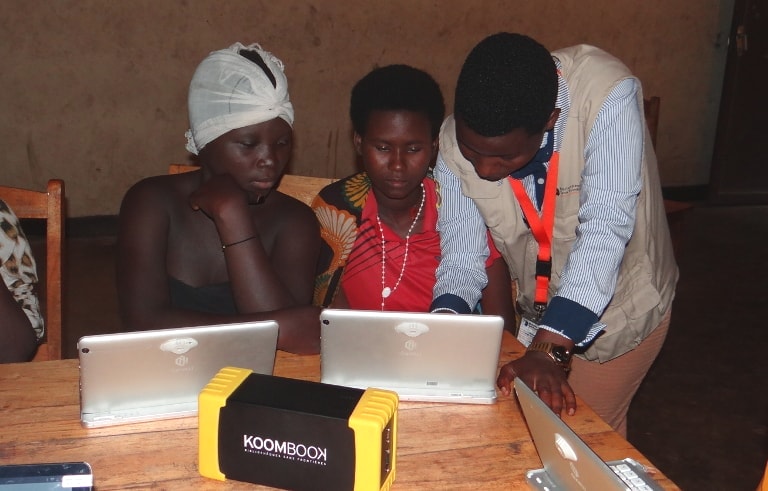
[561, 354]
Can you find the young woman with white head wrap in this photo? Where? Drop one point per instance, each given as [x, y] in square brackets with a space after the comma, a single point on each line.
[221, 244]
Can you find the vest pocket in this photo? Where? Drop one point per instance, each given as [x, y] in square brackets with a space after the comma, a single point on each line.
[628, 314]
[635, 292]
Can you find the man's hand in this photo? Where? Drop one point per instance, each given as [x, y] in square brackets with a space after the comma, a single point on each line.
[541, 374]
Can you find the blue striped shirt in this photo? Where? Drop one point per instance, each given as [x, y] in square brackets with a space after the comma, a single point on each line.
[606, 220]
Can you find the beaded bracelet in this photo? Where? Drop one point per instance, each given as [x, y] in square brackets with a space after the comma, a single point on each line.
[224, 246]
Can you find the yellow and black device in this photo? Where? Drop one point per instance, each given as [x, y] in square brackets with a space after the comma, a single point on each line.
[296, 434]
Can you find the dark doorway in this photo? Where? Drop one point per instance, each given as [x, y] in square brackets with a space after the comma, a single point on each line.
[740, 162]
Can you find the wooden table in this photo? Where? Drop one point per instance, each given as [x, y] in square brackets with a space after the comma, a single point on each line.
[441, 446]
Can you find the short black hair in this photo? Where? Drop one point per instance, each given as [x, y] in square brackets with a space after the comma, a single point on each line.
[396, 88]
[508, 81]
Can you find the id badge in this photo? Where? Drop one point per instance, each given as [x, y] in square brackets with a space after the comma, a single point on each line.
[527, 331]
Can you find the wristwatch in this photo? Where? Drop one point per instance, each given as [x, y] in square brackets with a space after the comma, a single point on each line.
[559, 354]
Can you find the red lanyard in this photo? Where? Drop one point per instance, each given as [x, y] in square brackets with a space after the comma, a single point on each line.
[541, 228]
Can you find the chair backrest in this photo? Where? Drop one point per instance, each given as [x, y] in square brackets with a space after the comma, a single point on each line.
[651, 108]
[181, 168]
[303, 188]
[47, 205]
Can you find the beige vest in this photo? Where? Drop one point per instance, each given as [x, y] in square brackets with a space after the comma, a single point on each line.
[648, 272]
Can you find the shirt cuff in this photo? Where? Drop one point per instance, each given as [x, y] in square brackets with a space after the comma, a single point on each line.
[450, 303]
[569, 318]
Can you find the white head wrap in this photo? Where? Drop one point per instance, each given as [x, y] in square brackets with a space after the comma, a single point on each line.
[229, 91]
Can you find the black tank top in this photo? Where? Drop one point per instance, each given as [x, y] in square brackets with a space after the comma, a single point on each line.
[212, 299]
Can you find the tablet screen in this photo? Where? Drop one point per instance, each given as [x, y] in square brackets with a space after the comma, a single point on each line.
[73, 476]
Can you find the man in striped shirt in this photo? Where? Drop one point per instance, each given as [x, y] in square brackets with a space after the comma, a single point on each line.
[550, 152]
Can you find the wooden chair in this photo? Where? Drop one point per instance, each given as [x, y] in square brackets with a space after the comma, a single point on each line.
[676, 210]
[303, 188]
[47, 205]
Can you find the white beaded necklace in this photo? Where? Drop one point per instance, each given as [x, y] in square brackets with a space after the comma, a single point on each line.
[385, 290]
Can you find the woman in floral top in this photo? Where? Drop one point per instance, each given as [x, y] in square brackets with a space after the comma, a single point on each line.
[380, 244]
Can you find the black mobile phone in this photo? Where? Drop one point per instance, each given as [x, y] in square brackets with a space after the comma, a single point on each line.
[73, 476]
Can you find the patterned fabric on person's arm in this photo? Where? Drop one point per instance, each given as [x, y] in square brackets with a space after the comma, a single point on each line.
[18, 268]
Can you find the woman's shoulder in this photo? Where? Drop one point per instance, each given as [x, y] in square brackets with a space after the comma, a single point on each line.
[286, 206]
[286, 214]
[159, 192]
[357, 181]
[349, 193]
[6, 213]
[165, 185]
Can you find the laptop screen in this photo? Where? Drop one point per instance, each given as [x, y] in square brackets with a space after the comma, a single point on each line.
[568, 461]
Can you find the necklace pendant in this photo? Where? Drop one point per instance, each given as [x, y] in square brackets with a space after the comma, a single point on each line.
[387, 291]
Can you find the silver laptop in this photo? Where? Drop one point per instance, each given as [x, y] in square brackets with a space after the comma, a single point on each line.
[568, 462]
[421, 356]
[148, 375]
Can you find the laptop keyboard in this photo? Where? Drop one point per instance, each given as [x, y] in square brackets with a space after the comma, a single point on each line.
[634, 475]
